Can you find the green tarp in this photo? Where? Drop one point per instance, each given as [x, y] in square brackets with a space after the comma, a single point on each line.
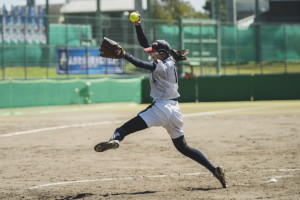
[64, 92]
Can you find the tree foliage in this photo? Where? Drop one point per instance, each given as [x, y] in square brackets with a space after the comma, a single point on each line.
[174, 9]
[220, 9]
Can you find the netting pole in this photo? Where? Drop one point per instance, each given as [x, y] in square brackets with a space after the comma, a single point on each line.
[285, 49]
[257, 38]
[10, 96]
[219, 47]
[25, 51]
[215, 11]
[87, 60]
[149, 9]
[201, 49]
[66, 45]
[2, 51]
[181, 44]
[258, 46]
[215, 6]
[138, 6]
[87, 50]
[237, 45]
[231, 11]
[98, 22]
[47, 38]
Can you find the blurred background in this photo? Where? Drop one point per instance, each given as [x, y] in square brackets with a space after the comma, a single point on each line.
[59, 38]
[242, 39]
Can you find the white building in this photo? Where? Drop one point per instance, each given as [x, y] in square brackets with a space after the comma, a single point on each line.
[113, 8]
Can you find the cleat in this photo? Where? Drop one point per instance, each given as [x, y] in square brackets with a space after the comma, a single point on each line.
[103, 146]
[219, 174]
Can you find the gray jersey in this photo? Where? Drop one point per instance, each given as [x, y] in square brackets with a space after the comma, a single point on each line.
[164, 80]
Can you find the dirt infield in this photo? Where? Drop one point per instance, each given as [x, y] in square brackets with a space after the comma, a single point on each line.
[47, 153]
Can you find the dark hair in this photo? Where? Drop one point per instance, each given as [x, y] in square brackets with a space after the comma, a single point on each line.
[179, 55]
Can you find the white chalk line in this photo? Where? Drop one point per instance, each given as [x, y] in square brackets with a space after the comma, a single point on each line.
[58, 128]
[108, 122]
[214, 112]
[162, 176]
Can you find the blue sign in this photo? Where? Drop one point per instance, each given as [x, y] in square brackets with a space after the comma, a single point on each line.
[86, 61]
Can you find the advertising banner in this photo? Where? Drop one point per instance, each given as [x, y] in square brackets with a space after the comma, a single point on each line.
[86, 61]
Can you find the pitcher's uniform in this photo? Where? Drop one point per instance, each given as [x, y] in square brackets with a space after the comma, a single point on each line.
[164, 111]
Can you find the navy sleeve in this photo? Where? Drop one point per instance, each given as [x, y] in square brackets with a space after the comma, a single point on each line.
[141, 36]
[140, 63]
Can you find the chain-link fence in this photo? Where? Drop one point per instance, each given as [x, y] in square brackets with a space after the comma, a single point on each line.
[214, 48]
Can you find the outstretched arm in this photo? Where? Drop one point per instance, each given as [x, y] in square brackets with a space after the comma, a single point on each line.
[141, 36]
[140, 63]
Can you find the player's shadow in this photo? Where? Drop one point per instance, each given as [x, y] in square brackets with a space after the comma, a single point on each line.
[201, 189]
[128, 193]
[78, 196]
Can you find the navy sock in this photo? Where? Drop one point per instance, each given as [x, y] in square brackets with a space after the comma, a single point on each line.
[192, 153]
[131, 126]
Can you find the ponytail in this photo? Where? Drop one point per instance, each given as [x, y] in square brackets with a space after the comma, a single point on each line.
[179, 55]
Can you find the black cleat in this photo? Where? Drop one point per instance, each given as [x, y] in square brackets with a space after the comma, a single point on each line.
[103, 146]
[219, 174]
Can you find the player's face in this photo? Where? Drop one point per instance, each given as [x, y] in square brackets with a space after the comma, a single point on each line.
[158, 56]
[154, 55]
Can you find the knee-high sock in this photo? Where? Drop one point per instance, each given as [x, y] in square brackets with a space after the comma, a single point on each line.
[192, 153]
[131, 126]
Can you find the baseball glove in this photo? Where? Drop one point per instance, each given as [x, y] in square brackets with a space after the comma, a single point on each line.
[111, 49]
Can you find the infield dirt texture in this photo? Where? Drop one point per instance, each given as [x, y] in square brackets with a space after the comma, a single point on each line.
[47, 153]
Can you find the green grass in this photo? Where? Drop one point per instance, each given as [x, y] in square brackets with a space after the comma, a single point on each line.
[229, 69]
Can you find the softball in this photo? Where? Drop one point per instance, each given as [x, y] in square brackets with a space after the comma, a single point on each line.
[134, 17]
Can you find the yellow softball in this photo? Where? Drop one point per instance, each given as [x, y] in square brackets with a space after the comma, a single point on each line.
[134, 17]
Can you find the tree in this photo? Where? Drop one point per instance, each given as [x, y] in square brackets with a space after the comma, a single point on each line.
[207, 7]
[174, 9]
[220, 9]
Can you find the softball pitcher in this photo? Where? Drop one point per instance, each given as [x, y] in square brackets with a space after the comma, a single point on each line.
[164, 111]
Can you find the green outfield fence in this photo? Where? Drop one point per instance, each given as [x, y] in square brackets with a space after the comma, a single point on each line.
[234, 88]
[214, 48]
[26, 93]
